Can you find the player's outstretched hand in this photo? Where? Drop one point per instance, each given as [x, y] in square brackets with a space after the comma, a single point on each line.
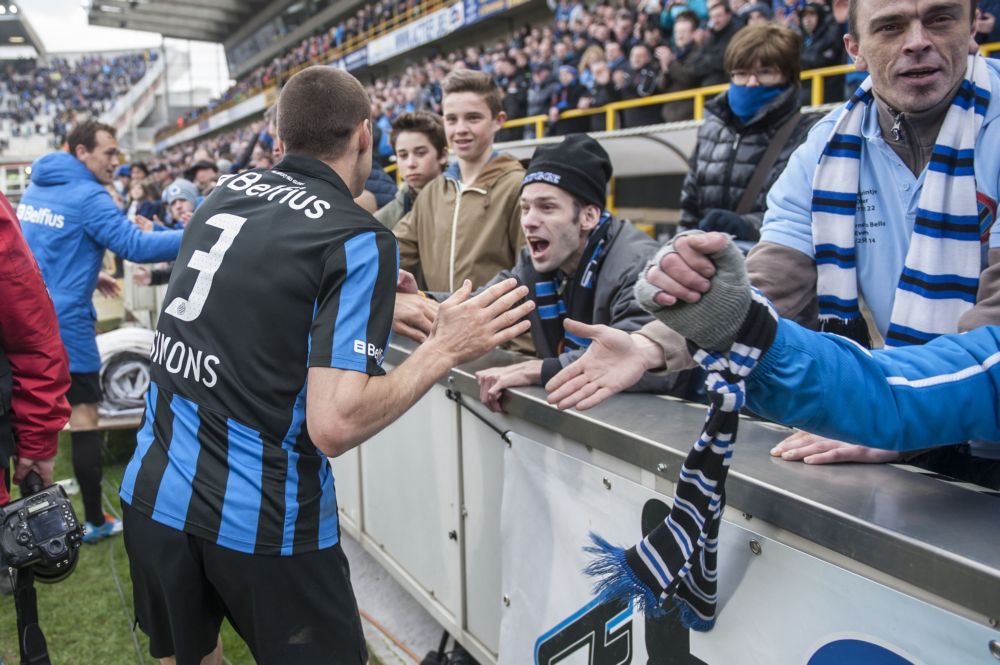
[468, 327]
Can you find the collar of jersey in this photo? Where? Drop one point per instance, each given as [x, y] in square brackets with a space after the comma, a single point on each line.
[314, 168]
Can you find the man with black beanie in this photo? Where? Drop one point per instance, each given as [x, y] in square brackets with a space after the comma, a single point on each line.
[580, 262]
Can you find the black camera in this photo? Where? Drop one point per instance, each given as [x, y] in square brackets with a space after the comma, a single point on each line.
[41, 530]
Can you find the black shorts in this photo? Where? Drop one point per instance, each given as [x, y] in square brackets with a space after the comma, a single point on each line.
[84, 388]
[289, 609]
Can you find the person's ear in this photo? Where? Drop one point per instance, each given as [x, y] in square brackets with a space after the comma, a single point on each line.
[365, 136]
[279, 145]
[500, 119]
[80, 152]
[591, 214]
[854, 50]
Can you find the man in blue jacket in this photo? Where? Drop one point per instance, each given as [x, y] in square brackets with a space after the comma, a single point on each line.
[69, 220]
[905, 399]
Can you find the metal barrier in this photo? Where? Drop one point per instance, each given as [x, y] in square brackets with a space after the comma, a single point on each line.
[481, 517]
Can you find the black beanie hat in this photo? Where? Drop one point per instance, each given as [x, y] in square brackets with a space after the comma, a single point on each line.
[578, 165]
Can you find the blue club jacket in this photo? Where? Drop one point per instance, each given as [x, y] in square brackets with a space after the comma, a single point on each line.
[943, 392]
[69, 220]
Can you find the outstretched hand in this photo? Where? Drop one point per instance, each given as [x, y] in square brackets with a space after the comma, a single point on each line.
[414, 316]
[468, 327]
[614, 361]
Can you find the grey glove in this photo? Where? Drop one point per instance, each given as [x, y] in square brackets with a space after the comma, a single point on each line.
[713, 321]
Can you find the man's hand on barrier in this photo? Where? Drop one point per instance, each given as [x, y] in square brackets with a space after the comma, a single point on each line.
[813, 449]
[614, 361]
[493, 381]
[43, 467]
[685, 273]
[466, 328]
[414, 316]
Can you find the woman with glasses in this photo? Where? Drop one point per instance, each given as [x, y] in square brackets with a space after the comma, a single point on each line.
[760, 107]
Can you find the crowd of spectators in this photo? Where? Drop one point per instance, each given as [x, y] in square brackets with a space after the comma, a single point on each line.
[586, 58]
[310, 50]
[46, 96]
[614, 50]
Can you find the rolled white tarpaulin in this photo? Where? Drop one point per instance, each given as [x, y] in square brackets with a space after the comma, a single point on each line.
[124, 370]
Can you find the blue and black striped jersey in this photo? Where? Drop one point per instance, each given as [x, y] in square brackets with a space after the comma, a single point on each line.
[278, 271]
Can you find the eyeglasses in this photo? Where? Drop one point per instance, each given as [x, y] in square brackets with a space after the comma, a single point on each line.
[764, 76]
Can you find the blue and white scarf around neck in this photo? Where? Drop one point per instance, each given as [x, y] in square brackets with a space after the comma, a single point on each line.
[941, 273]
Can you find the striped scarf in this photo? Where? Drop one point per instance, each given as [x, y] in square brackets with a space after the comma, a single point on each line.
[549, 289]
[678, 558]
[941, 273]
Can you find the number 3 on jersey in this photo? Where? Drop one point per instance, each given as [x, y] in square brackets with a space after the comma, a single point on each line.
[207, 264]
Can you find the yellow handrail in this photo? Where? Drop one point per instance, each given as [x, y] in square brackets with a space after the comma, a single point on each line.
[814, 77]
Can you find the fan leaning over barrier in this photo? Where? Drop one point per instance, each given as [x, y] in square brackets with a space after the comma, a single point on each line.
[728, 331]
[926, 395]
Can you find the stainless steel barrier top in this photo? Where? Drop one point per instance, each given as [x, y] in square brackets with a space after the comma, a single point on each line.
[932, 534]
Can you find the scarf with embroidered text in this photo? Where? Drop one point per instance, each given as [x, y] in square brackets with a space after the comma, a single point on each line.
[941, 273]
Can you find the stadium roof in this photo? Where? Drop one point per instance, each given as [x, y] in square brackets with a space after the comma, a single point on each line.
[16, 34]
[204, 20]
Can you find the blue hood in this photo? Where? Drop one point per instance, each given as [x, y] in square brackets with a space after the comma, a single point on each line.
[59, 168]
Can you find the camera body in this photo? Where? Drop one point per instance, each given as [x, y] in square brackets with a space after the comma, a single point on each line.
[41, 530]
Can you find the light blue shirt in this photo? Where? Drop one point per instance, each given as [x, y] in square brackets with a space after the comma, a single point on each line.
[889, 193]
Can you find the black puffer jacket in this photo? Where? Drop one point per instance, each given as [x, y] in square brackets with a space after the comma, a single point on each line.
[728, 151]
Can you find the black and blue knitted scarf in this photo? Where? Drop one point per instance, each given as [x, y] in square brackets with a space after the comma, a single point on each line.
[678, 558]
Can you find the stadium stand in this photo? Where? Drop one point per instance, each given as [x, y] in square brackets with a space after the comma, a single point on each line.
[578, 40]
[44, 97]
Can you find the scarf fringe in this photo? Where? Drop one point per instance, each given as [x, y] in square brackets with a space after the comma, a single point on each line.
[855, 329]
[616, 583]
[690, 618]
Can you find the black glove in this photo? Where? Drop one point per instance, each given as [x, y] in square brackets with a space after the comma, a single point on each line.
[729, 222]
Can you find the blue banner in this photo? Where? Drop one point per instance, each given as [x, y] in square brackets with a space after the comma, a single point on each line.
[424, 30]
[477, 10]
